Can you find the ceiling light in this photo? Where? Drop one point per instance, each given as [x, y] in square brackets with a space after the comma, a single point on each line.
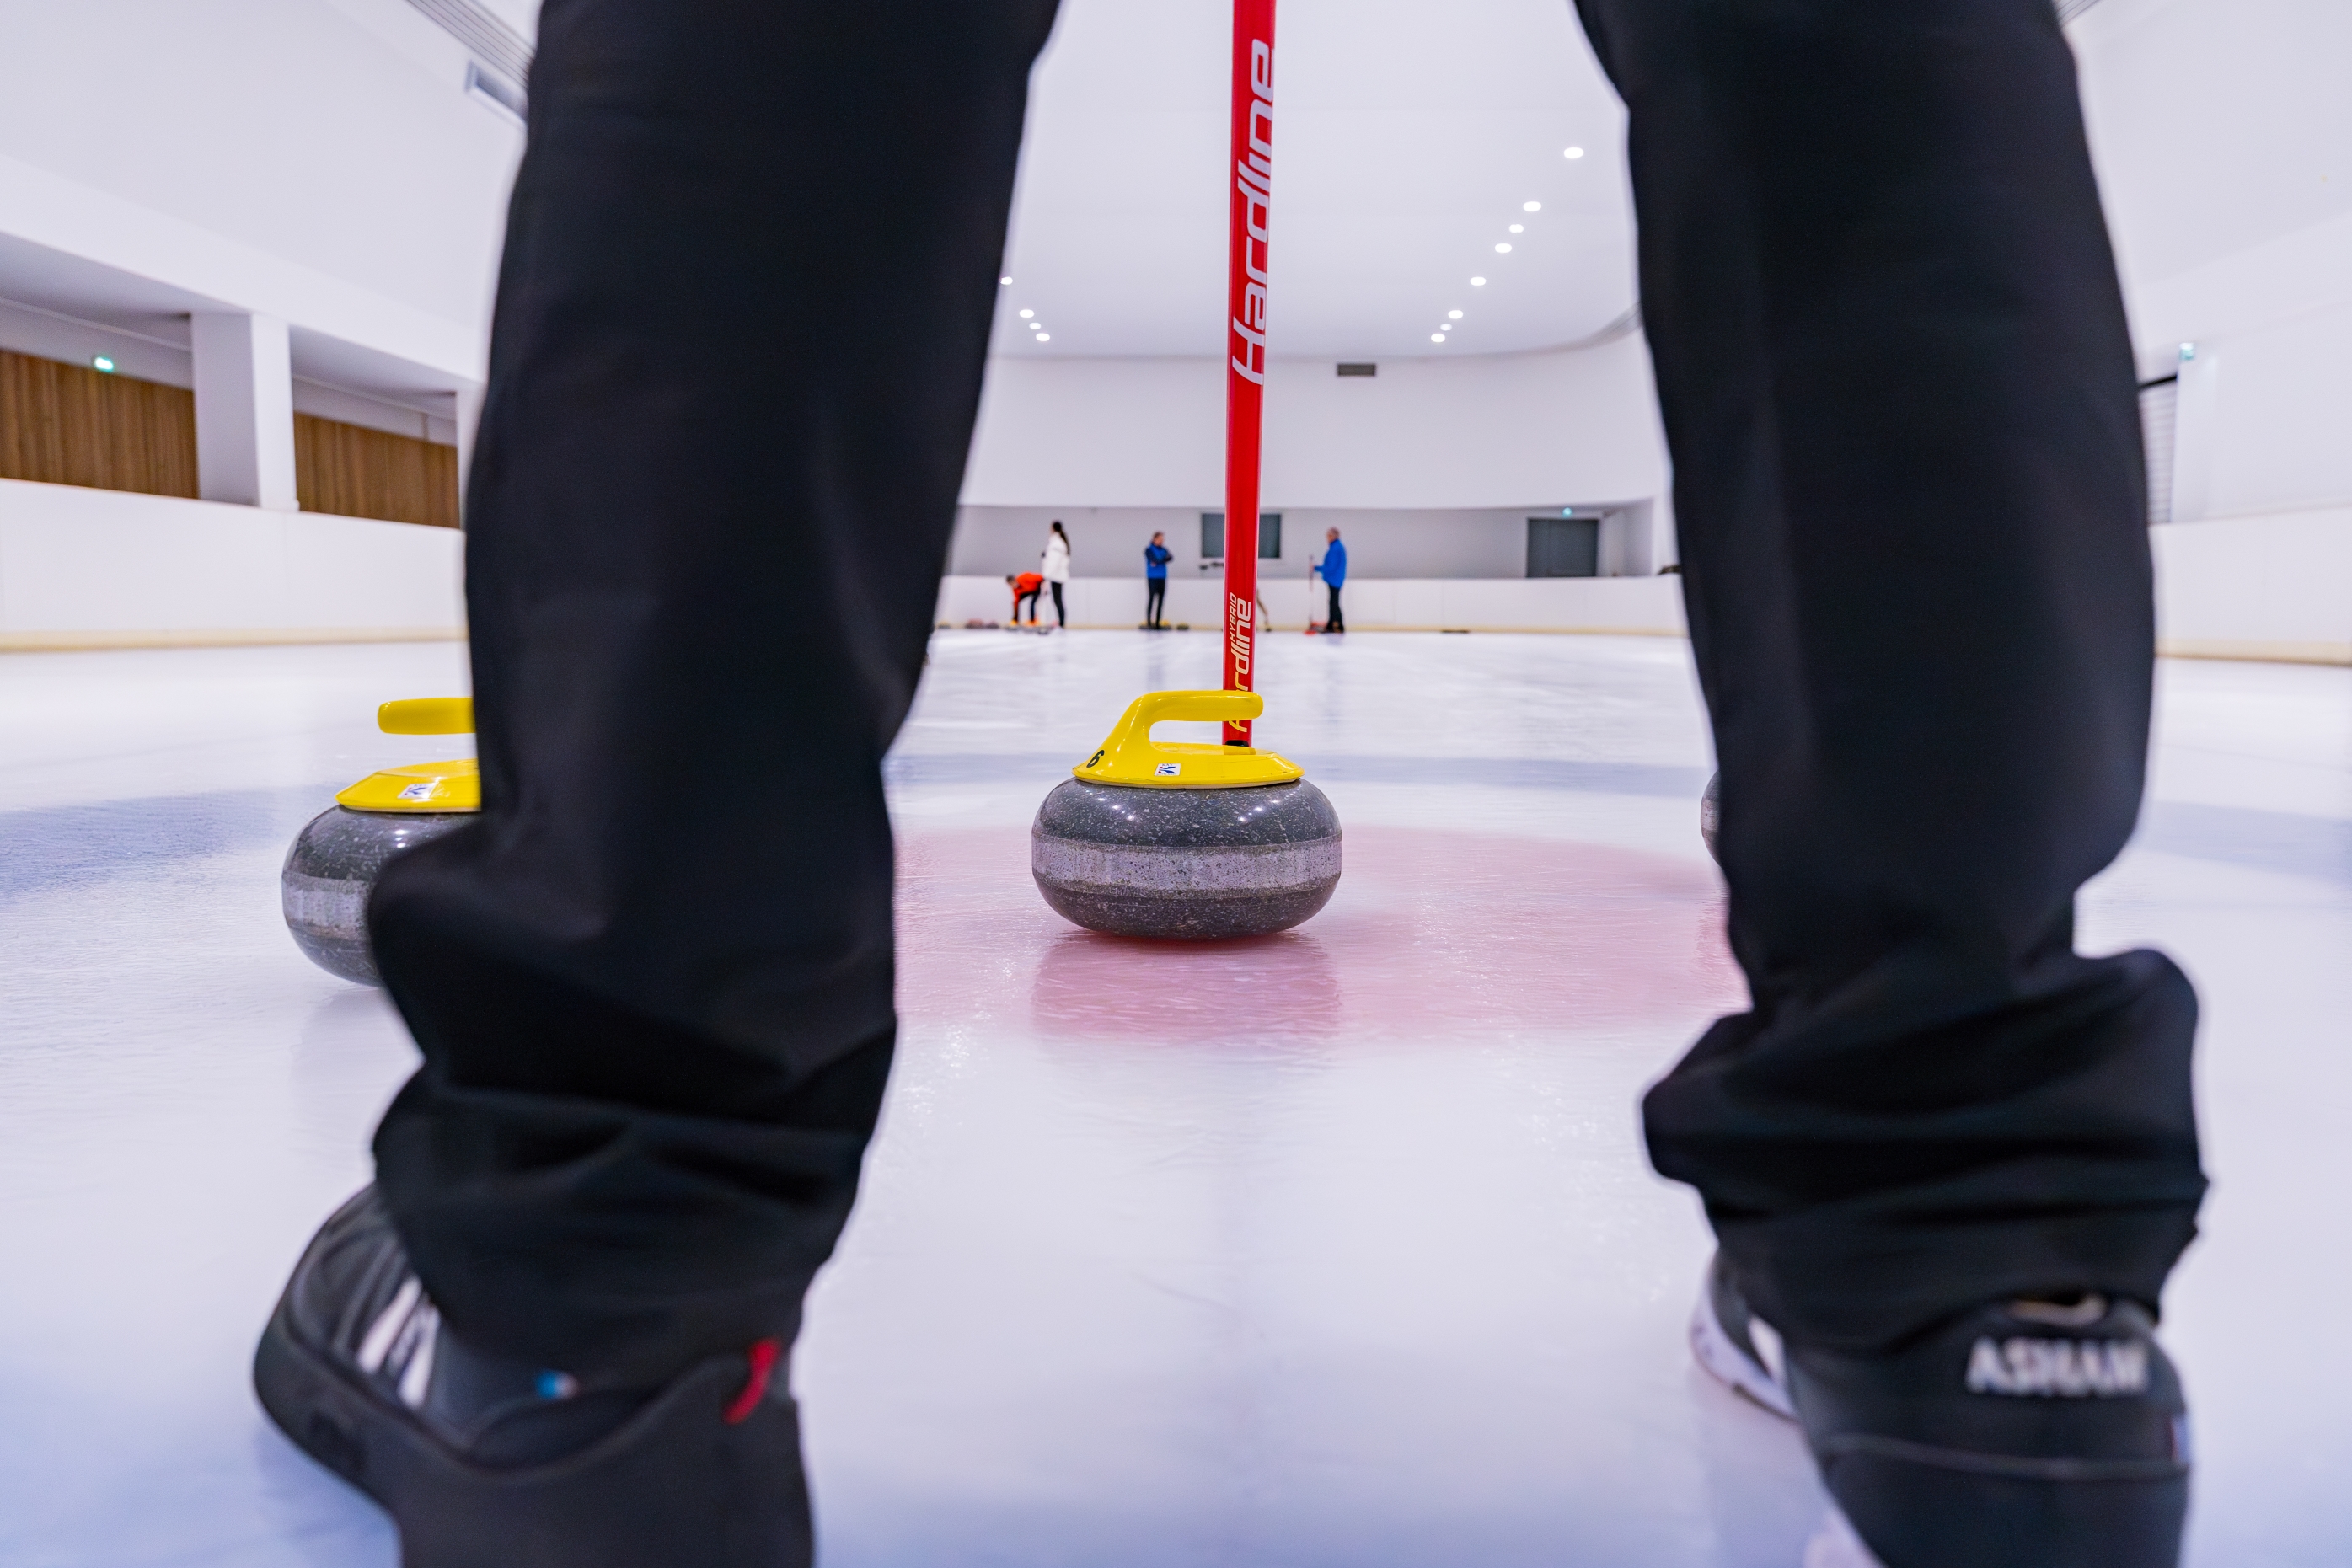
[1502, 250]
[1573, 152]
[1437, 336]
[103, 364]
[1477, 283]
[1026, 314]
[1454, 315]
[1531, 206]
[1518, 228]
[1044, 336]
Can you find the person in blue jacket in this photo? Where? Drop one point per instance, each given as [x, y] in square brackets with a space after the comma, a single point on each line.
[1334, 568]
[1156, 557]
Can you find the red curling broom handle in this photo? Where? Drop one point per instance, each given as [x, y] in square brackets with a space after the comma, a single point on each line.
[1253, 183]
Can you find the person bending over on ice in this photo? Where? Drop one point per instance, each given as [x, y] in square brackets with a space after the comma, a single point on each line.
[1026, 586]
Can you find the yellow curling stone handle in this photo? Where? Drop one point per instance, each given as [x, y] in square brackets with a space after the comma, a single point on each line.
[422, 786]
[1131, 756]
[427, 716]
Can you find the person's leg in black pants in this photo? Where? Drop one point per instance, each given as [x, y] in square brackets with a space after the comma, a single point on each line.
[652, 982]
[1155, 600]
[1061, 616]
[1891, 361]
[1337, 622]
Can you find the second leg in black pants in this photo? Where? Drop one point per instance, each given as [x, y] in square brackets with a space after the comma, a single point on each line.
[652, 982]
[1944, 1155]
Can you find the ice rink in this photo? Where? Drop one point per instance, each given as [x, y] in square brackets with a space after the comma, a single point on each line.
[1333, 1248]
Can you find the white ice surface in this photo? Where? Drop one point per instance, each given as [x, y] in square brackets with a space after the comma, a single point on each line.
[1337, 1252]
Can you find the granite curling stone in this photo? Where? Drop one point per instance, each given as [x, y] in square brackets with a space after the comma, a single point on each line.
[329, 872]
[1193, 864]
[1186, 841]
[325, 885]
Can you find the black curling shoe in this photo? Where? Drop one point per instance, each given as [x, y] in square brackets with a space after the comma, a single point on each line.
[484, 1463]
[2024, 1435]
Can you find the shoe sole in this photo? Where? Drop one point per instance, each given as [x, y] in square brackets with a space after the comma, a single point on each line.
[1834, 1544]
[675, 1484]
[1730, 1366]
[1928, 1515]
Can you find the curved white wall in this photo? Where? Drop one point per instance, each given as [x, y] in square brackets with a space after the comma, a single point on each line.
[316, 160]
[1492, 432]
[2223, 130]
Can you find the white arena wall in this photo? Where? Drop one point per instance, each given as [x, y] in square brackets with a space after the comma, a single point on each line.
[103, 569]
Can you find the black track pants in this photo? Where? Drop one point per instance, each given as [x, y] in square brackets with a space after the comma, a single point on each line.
[1892, 360]
[1155, 599]
[1336, 622]
[652, 983]
[749, 271]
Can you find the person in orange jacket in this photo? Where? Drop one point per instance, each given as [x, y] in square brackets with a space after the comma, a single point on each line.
[1026, 586]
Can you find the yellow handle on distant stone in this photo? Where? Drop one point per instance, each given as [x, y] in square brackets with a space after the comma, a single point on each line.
[1129, 756]
[427, 716]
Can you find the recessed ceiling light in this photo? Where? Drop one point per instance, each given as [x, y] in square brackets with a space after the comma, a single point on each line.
[1573, 152]
[1477, 283]
[1454, 315]
[1044, 336]
[1502, 250]
[1004, 283]
[1531, 206]
[102, 363]
[1518, 228]
[1025, 315]
[1437, 336]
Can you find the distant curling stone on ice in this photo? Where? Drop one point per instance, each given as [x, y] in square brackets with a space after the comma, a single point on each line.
[332, 866]
[1190, 842]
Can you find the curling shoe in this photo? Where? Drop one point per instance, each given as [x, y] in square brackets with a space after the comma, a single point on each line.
[486, 1463]
[1739, 1348]
[2023, 1435]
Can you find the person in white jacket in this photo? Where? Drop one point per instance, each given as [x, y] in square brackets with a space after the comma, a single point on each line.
[1056, 568]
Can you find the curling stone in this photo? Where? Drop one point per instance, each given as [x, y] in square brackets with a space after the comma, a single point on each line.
[1186, 841]
[1711, 812]
[332, 866]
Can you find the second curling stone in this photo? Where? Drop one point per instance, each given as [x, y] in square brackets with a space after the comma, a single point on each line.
[1188, 841]
[332, 868]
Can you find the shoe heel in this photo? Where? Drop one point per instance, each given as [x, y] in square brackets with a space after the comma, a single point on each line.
[675, 1484]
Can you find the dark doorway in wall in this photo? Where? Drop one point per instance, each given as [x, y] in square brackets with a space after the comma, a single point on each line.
[1213, 536]
[1563, 547]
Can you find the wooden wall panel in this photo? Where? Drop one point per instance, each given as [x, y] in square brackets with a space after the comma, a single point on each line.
[354, 472]
[70, 424]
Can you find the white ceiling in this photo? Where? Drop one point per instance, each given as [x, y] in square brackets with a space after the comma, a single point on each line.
[1409, 133]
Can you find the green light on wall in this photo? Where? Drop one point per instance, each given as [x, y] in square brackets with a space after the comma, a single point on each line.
[102, 363]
